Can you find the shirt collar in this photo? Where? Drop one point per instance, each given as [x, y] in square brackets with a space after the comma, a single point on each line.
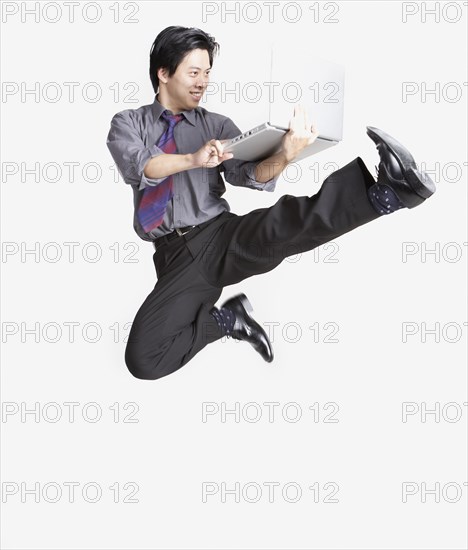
[158, 109]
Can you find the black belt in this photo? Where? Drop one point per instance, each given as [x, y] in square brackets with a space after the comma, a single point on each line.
[179, 231]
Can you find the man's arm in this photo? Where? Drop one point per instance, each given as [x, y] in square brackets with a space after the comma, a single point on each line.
[271, 167]
[167, 164]
[299, 136]
[143, 166]
[129, 152]
[244, 173]
[208, 156]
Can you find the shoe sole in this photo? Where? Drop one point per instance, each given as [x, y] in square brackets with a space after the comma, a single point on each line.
[420, 182]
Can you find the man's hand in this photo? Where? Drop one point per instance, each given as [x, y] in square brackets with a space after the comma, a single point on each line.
[300, 134]
[211, 154]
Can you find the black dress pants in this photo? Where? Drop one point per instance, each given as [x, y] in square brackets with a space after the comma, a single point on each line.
[173, 324]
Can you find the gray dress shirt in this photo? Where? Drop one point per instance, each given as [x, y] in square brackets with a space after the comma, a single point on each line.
[197, 192]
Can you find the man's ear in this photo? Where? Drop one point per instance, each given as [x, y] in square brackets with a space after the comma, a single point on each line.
[162, 74]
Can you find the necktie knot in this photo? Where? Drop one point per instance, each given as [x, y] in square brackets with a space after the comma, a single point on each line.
[171, 119]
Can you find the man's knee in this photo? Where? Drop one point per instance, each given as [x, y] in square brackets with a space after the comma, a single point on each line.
[145, 367]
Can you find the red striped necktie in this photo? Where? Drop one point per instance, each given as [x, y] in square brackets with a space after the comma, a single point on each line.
[155, 198]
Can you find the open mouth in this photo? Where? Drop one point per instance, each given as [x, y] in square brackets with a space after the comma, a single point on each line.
[196, 95]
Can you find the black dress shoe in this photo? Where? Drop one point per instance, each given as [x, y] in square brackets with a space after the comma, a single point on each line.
[398, 170]
[246, 328]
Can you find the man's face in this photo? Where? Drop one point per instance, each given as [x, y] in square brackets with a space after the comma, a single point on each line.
[184, 89]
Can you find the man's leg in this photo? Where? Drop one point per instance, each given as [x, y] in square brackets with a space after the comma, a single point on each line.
[173, 323]
[259, 241]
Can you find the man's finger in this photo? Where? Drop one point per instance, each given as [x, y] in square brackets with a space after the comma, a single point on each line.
[219, 147]
[300, 111]
[293, 121]
[213, 146]
[306, 120]
[304, 123]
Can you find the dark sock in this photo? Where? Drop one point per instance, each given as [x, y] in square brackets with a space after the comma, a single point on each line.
[225, 319]
[383, 198]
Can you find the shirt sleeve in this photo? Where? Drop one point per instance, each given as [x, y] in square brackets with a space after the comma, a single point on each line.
[241, 172]
[129, 152]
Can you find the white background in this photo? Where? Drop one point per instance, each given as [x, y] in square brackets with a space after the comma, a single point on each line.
[370, 293]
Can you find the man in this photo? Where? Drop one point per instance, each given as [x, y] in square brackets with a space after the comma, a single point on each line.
[171, 153]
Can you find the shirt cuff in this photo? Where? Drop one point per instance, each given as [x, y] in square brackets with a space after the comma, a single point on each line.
[252, 182]
[148, 154]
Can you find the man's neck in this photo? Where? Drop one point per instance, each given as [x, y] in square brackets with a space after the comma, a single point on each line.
[166, 107]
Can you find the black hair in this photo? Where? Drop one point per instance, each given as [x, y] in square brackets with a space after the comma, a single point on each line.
[172, 45]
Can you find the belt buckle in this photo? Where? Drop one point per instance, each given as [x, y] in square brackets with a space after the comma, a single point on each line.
[180, 233]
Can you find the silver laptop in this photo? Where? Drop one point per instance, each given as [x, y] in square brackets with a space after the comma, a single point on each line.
[315, 83]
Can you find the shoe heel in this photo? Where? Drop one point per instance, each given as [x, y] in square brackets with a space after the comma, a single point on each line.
[420, 182]
[245, 302]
